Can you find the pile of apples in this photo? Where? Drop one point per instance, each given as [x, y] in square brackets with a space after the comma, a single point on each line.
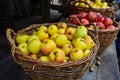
[96, 18]
[94, 4]
[56, 43]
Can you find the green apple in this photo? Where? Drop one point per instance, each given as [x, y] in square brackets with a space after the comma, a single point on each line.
[42, 35]
[81, 32]
[60, 40]
[47, 46]
[79, 43]
[44, 58]
[23, 48]
[34, 46]
[21, 38]
[52, 29]
[67, 48]
[32, 37]
[57, 55]
[76, 54]
[86, 52]
[66, 59]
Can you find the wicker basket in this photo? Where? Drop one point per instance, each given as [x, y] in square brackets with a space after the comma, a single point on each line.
[72, 9]
[107, 36]
[38, 70]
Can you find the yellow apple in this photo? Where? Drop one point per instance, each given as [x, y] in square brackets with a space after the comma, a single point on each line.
[62, 25]
[67, 48]
[86, 52]
[52, 29]
[47, 46]
[69, 32]
[34, 46]
[42, 35]
[53, 37]
[89, 41]
[43, 28]
[57, 55]
[32, 37]
[34, 56]
[23, 48]
[76, 54]
[79, 43]
[61, 30]
[21, 38]
[44, 58]
[60, 40]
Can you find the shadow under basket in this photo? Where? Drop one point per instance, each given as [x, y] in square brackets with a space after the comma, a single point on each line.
[107, 36]
[39, 70]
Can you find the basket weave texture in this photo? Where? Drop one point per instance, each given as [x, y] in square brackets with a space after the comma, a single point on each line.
[38, 70]
[72, 9]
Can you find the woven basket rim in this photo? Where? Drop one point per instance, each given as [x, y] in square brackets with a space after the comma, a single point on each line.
[52, 64]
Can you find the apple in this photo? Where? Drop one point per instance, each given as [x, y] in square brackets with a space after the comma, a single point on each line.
[21, 38]
[110, 27]
[81, 31]
[76, 54]
[32, 37]
[107, 21]
[86, 52]
[43, 28]
[84, 21]
[100, 25]
[52, 29]
[23, 48]
[99, 17]
[67, 48]
[61, 30]
[77, 4]
[62, 25]
[34, 56]
[89, 41]
[73, 20]
[42, 35]
[47, 46]
[53, 37]
[34, 46]
[79, 43]
[60, 40]
[34, 33]
[69, 32]
[66, 59]
[44, 58]
[57, 55]
[82, 15]
[91, 16]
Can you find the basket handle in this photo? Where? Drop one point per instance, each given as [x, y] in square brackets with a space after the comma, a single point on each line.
[9, 34]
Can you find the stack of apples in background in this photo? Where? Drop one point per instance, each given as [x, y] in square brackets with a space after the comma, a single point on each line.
[56, 43]
[98, 4]
[84, 18]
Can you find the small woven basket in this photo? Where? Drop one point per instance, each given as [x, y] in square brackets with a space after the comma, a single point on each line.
[72, 9]
[39, 70]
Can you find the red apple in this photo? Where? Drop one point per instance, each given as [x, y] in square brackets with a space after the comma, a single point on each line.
[107, 21]
[100, 25]
[91, 16]
[110, 27]
[99, 17]
[82, 15]
[84, 21]
[73, 20]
